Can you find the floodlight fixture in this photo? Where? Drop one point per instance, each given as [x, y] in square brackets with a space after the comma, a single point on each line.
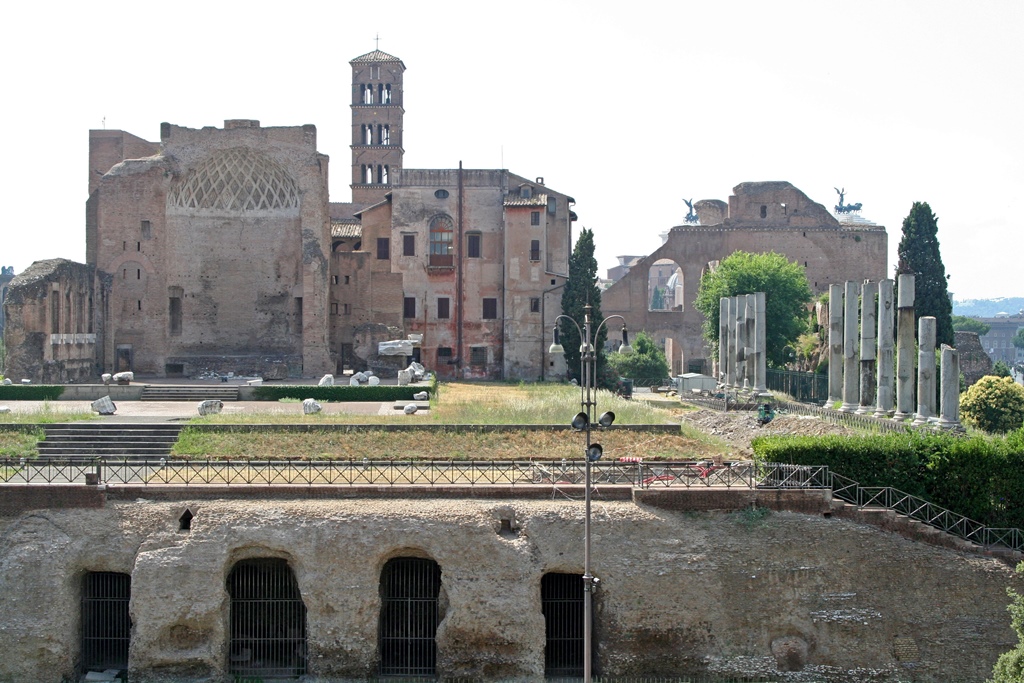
[594, 452]
[580, 422]
[606, 419]
[556, 347]
[625, 349]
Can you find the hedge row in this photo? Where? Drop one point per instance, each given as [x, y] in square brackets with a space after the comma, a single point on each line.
[339, 393]
[979, 477]
[30, 392]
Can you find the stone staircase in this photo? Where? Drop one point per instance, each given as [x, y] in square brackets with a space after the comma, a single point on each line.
[188, 392]
[78, 440]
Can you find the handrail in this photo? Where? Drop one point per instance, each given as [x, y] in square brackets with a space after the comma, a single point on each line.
[637, 474]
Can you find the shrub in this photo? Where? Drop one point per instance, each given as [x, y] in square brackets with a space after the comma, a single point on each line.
[993, 404]
[337, 393]
[30, 392]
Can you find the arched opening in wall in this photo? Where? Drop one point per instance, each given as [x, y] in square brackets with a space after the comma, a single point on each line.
[267, 620]
[106, 628]
[665, 286]
[561, 598]
[409, 588]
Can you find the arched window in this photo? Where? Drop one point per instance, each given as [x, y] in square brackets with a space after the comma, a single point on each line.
[386, 94]
[106, 628]
[561, 599]
[441, 230]
[367, 134]
[267, 620]
[409, 587]
[367, 94]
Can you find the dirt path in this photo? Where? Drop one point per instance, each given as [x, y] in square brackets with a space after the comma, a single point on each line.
[738, 429]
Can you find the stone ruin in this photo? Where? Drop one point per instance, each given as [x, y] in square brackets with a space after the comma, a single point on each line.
[742, 348]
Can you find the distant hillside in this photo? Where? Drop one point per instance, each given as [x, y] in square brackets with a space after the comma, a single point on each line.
[987, 308]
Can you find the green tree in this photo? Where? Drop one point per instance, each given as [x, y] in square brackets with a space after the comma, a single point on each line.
[993, 404]
[1001, 369]
[786, 295]
[919, 254]
[963, 323]
[1009, 667]
[1018, 339]
[658, 299]
[647, 362]
[580, 289]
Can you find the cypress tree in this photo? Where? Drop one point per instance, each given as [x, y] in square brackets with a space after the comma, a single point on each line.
[919, 254]
[581, 288]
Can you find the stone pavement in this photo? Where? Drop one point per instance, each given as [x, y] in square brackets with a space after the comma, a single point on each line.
[160, 411]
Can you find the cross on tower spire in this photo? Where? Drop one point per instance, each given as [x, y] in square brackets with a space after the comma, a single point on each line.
[376, 41]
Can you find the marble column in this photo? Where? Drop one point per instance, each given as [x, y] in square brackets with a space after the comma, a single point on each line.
[730, 361]
[750, 350]
[741, 381]
[905, 349]
[925, 370]
[949, 398]
[723, 341]
[760, 345]
[886, 362]
[851, 374]
[835, 344]
[868, 347]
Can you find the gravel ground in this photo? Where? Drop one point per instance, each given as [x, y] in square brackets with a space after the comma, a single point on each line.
[740, 428]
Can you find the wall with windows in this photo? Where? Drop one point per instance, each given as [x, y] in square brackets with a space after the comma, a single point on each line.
[223, 587]
[54, 326]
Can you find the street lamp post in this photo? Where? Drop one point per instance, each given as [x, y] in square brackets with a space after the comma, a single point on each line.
[591, 451]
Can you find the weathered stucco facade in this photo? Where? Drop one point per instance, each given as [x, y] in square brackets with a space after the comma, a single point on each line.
[760, 217]
[729, 594]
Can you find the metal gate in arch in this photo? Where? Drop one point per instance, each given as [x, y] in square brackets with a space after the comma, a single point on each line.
[268, 620]
[106, 628]
[409, 587]
[561, 597]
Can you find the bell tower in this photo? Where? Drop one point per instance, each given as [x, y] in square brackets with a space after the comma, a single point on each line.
[377, 114]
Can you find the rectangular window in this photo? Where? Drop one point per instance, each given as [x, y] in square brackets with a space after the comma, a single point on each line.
[552, 204]
[174, 308]
[478, 355]
[490, 309]
[443, 312]
[346, 279]
[535, 250]
[147, 230]
[535, 218]
[535, 305]
[409, 309]
[408, 245]
[444, 355]
[334, 309]
[334, 279]
[346, 309]
[383, 248]
[473, 245]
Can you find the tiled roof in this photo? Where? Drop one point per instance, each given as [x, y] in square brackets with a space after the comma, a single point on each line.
[346, 229]
[375, 56]
[535, 200]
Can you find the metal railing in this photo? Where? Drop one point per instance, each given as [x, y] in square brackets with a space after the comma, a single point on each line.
[638, 474]
[803, 386]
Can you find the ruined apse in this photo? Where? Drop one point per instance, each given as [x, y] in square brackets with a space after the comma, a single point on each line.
[218, 249]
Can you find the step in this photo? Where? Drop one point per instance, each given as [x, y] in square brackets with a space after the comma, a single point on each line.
[189, 393]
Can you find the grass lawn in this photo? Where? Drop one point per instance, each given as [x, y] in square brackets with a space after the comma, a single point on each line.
[462, 404]
[47, 413]
[19, 444]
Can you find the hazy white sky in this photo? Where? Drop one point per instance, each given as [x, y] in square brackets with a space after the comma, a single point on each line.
[629, 107]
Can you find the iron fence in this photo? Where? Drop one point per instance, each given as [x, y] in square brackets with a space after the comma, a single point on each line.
[808, 387]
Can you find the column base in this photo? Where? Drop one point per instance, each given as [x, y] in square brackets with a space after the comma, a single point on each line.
[948, 424]
[919, 420]
[900, 417]
[848, 408]
[864, 410]
[883, 414]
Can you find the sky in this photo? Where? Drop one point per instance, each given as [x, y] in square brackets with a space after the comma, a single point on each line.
[629, 107]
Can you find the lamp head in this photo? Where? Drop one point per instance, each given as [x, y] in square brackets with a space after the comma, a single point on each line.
[556, 347]
[580, 422]
[625, 349]
[594, 452]
[606, 419]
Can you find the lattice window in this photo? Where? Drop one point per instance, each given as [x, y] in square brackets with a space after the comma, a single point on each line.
[441, 230]
[237, 179]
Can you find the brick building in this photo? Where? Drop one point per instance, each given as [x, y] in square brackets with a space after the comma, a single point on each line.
[224, 254]
[759, 217]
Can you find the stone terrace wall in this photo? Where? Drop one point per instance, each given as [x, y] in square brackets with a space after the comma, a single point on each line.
[681, 592]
